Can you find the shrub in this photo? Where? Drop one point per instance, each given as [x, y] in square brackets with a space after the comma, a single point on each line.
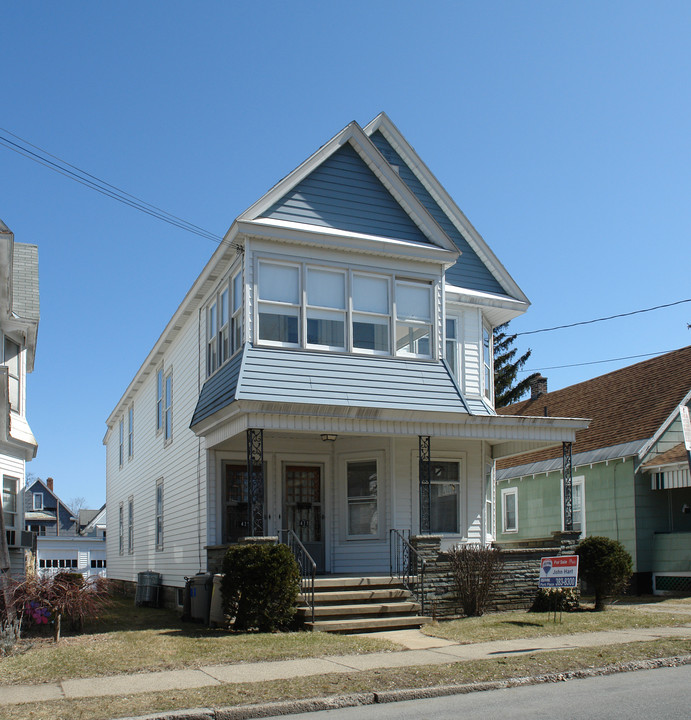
[605, 565]
[551, 599]
[475, 571]
[260, 586]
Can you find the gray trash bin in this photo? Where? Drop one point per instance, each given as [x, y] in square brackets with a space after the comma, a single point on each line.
[200, 597]
[148, 588]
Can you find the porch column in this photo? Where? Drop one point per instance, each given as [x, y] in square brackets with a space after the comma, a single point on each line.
[255, 482]
[568, 486]
[425, 476]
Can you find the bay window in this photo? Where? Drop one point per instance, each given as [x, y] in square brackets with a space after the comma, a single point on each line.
[279, 303]
[326, 308]
[236, 321]
[11, 357]
[224, 323]
[413, 319]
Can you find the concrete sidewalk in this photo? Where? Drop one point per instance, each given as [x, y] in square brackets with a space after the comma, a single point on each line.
[420, 650]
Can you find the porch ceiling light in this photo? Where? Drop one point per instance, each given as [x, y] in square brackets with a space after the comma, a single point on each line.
[329, 437]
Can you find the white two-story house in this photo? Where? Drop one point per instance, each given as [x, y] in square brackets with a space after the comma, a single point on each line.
[19, 317]
[336, 349]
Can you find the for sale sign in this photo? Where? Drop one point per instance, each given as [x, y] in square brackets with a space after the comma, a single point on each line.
[559, 572]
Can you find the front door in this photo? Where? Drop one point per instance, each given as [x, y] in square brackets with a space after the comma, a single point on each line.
[303, 511]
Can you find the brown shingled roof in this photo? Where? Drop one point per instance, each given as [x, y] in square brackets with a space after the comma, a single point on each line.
[625, 405]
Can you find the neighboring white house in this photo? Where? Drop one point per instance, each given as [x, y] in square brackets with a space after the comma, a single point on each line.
[65, 541]
[338, 342]
[19, 317]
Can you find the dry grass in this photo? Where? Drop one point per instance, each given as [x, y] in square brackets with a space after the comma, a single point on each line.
[516, 625]
[129, 639]
[328, 685]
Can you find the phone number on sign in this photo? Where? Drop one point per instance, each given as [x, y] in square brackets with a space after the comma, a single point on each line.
[558, 582]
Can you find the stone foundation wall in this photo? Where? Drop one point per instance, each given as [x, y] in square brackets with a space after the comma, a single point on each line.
[517, 585]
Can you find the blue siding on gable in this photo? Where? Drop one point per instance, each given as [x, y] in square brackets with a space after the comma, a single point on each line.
[219, 390]
[298, 377]
[469, 271]
[343, 193]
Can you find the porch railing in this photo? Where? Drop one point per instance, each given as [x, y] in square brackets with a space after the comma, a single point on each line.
[406, 563]
[308, 568]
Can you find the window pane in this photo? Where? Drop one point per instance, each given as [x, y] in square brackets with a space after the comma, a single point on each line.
[577, 506]
[212, 320]
[362, 498]
[224, 307]
[12, 357]
[413, 302]
[326, 329]
[362, 479]
[278, 325]
[371, 334]
[413, 339]
[237, 292]
[444, 507]
[370, 294]
[362, 518]
[450, 328]
[326, 289]
[280, 283]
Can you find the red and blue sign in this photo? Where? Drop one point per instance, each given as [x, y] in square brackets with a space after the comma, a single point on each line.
[559, 572]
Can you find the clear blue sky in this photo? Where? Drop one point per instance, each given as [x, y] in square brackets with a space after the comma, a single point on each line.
[561, 129]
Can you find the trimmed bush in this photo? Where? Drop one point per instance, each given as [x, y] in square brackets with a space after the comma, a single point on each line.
[260, 586]
[476, 570]
[605, 565]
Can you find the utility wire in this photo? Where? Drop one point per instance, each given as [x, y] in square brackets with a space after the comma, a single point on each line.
[595, 362]
[610, 317]
[91, 181]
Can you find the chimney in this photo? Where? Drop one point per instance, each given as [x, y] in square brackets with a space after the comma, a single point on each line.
[49, 483]
[538, 386]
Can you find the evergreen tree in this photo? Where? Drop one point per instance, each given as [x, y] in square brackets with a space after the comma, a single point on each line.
[506, 389]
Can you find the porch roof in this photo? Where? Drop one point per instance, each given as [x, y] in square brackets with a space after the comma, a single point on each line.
[319, 378]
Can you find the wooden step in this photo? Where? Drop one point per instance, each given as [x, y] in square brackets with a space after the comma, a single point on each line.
[347, 596]
[368, 624]
[373, 609]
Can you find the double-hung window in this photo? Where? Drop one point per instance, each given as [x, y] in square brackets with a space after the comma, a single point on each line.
[509, 505]
[130, 525]
[326, 309]
[452, 346]
[122, 441]
[445, 493]
[577, 504]
[371, 314]
[168, 407]
[279, 304]
[11, 360]
[159, 400]
[9, 501]
[121, 530]
[236, 320]
[488, 379]
[130, 432]
[212, 339]
[413, 319]
[38, 501]
[159, 514]
[362, 490]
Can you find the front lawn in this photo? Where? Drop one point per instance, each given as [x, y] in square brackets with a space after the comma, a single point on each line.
[137, 639]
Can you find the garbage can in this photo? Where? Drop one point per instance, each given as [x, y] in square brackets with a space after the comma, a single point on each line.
[200, 597]
[216, 614]
[148, 588]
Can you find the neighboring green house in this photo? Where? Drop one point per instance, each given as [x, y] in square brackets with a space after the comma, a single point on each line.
[631, 479]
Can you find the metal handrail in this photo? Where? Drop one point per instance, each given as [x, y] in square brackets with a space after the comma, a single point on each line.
[307, 566]
[406, 563]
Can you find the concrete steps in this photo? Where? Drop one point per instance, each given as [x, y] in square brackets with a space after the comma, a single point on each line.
[360, 604]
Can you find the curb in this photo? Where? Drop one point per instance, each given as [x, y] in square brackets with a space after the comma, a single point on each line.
[293, 707]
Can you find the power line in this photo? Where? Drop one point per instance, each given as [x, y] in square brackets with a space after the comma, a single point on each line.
[595, 362]
[62, 167]
[610, 317]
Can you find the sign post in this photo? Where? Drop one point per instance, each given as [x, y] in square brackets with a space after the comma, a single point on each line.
[558, 573]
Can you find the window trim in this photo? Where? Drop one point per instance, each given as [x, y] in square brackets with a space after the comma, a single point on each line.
[13, 524]
[452, 342]
[504, 525]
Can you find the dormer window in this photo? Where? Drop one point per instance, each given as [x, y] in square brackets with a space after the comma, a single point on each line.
[348, 311]
[224, 323]
[38, 501]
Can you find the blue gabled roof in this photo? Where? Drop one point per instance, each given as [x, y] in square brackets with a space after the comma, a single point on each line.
[343, 193]
[469, 271]
[317, 378]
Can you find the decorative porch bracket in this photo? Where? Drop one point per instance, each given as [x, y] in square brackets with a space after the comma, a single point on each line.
[425, 476]
[255, 482]
[568, 485]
